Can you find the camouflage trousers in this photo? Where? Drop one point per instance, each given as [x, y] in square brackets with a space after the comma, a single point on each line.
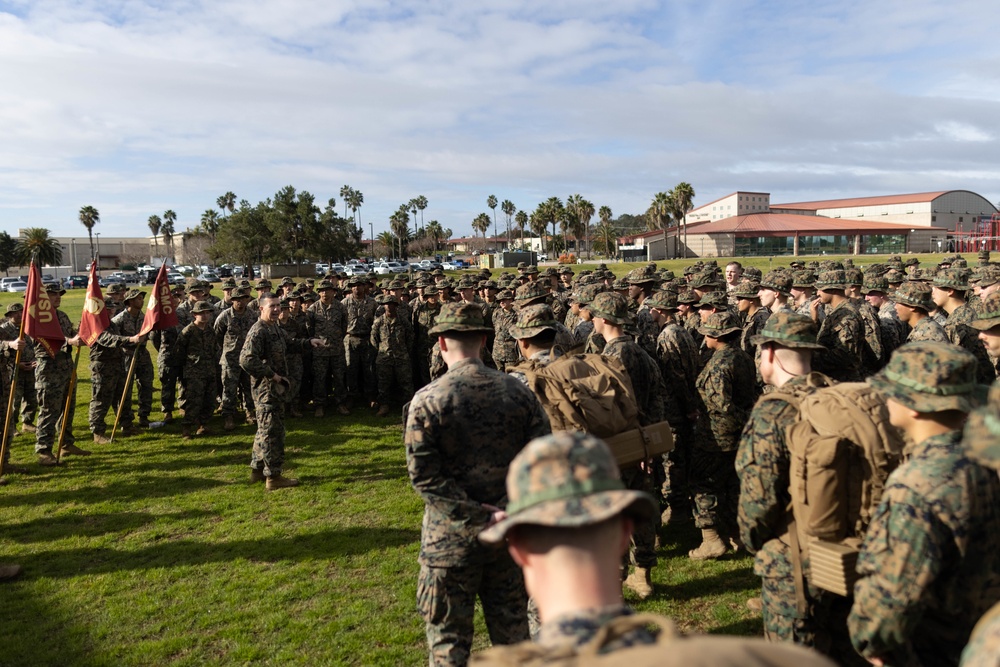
[715, 488]
[421, 366]
[446, 599]
[294, 363]
[52, 380]
[142, 380]
[329, 375]
[236, 392]
[198, 397]
[675, 491]
[360, 365]
[107, 384]
[26, 396]
[4, 388]
[643, 550]
[168, 383]
[269, 442]
[393, 372]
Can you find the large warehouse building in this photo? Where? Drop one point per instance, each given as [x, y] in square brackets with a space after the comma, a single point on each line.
[746, 223]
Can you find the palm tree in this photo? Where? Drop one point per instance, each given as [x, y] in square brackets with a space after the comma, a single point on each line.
[345, 195]
[387, 240]
[481, 223]
[88, 218]
[35, 243]
[226, 203]
[658, 215]
[508, 209]
[210, 222]
[154, 226]
[421, 202]
[435, 231]
[169, 218]
[399, 223]
[683, 195]
[604, 213]
[539, 224]
[355, 200]
[521, 218]
[553, 212]
[492, 202]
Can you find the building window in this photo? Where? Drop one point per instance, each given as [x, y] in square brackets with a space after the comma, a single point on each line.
[960, 219]
[933, 218]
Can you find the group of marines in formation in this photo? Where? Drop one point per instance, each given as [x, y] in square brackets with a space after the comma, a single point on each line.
[700, 349]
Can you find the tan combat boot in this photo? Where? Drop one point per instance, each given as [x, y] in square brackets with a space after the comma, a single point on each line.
[383, 411]
[101, 439]
[202, 430]
[28, 428]
[256, 476]
[9, 571]
[343, 409]
[755, 604]
[186, 432]
[230, 423]
[45, 458]
[319, 412]
[73, 450]
[275, 482]
[168, 417]
[711, 546]
[640, 583]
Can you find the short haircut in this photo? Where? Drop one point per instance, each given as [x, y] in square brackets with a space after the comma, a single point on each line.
[736, 264]
[546, 338]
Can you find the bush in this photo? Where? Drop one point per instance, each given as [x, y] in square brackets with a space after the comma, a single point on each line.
[569, 258]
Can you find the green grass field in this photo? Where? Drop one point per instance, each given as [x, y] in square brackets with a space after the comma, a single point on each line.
[154, 551]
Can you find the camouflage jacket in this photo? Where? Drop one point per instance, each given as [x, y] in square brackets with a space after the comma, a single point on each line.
[647, 328]
[930, 562]
[960, 333]
[109, 348]
[392, 337]
[231, 328]
[360, 315]
[843, 334]
[504, 345]
[197, 351]
[927, 329]
[727, 387]
[130, 325]
[295, 327]
[751, 327]
[264, 354]
[424, 316]
[677, 355]
[582, 331]
[579, 628]
[872, 350]
[328, 322]
[893, 330]
[644, 373]
[462, 431]
[42, 356]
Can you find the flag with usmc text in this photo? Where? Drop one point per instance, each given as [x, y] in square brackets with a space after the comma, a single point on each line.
[40, 320]
[95, 318]
[160, 310]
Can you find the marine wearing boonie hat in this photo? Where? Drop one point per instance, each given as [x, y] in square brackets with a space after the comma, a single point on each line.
[386, 299]
[117, 288]
[803, 279]
[611, 306]
[459, 318]
[587, 293]
[789, 330]
[54, 288]
[704, 279]
[720, 324]
[956, 279]
[714, 300]
[641, 276]
[263, 284]
[241, 293]
[982, 431]
[503, 295]
[15, 307]
[133, 294]
[533, 320]
[228, 283]
[834, 279]
[530, 292]
[988, 314]
[915, 295]
[662, 300]
[746, 290]
[566, 480]
[930, 377]
[779, 281]
[202, 307]
[874, 284]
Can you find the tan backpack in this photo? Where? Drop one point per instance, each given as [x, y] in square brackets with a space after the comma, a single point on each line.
[842, 449]
[671, 649]
[583, 392]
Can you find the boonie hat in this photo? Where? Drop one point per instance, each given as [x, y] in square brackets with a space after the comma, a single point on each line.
[533, 320]
[612, 307]
[460, 317]
[981, 437]
[202, 307]
[914, 294]
[988, 314]
[789, 330]
[930, 377]
[719, 324]
[133, 294]
[566, 480]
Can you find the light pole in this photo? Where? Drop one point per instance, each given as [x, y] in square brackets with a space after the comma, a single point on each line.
[371, 248]
[97, 252]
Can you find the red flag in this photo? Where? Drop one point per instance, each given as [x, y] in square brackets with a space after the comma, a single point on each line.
[160, 312]
[95, 318]
[40, 321]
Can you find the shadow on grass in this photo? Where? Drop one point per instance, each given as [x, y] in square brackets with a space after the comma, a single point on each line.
[48, 529]
[207, 460]
[719, 583]
[39, 633]
[749, 627]
[151, 487]
[371, 472]
[331, 543]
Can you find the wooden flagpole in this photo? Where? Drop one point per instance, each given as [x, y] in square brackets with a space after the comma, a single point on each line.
[70, 395]
[125, 394]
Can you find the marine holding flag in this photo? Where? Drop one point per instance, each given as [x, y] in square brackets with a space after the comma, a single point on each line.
[53, 334]
[161, 320]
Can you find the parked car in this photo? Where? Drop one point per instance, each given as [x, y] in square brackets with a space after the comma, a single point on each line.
[108, 281]
[72, 282]
[16, 286]
[225, 272]
[8, 280]
[356, 269]
[449, 266]
[175, 278]
[429, 264]
[210, 277]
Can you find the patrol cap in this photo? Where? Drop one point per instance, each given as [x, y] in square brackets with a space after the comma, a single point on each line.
[566, 480]
[831, 280]
[981, 438]
[746, 290]
[914, 294]
[714, 300]
[778, 281]
[612, 307]
[134, 294]
[241, 293]
[533, 320]
[662, 300]
[988, 314]
[930, 377]
[459, 318]
[956, 279]
[789, 330]
[719, 324]
[202, 307]
[15, 307]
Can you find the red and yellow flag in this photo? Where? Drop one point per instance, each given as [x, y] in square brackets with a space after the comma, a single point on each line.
[40, 321]
[95, 318]
[160, 311]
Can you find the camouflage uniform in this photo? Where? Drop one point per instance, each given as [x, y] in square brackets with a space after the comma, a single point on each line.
[231, 330]
[25, 396]
[129, 325]
[107, 380]
[960, 332]
[504, 346]
[930, 562]
[893, 330]
[168, 363]
[264, 353]
[392, 339]
[195, 352]
[424, 316]
[360, 356]
[462, 431]
[295, 327]
[727, 387]
[52, 378]
[842, 334]
[329, 365]
[872, 349]
[927, 330]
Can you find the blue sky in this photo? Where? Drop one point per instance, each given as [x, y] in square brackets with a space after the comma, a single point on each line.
[136, 107]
